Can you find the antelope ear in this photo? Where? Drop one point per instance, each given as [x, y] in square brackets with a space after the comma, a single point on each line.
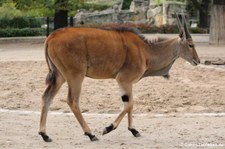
[180, 28]
[182, 34]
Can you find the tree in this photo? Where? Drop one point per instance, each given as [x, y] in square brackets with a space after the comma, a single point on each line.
[217, 23]
[61, 14]
[203, 7]
[8, 10]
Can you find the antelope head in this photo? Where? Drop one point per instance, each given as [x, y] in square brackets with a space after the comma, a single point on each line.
[186, 45]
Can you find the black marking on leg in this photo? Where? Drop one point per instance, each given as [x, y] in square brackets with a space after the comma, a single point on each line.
[108, 129]
[134, 132]
[125, 98]
[45, 137]
[91, 136]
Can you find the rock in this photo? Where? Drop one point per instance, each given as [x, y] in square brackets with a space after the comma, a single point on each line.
[215, 61]
[154, 15]
[218, 62]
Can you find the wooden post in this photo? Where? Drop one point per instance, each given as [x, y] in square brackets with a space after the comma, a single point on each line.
[217, 23]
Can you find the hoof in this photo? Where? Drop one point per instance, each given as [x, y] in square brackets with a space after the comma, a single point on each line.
[108, 129]
[92, 137]
[167, 76]
[45, 137]
[137, 135]
[134, 132]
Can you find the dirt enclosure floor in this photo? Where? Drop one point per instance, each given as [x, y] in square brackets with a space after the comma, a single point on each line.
[186, 111]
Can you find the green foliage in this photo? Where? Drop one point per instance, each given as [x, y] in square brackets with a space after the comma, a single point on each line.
[38, 12]
[15, 32]
[20, 22]
[31, 4]
[126, 4]
[14, 8]
[8, 10]
[159, 1]
[94, 6]
[40, 8]
[36, 8]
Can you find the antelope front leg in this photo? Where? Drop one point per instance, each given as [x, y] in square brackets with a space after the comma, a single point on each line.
[130, 126]
[127, 99]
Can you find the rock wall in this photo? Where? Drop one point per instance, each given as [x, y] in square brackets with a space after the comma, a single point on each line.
[104, 17]
[139, 7]
[111, 15]
[165, 13]
[141, 11]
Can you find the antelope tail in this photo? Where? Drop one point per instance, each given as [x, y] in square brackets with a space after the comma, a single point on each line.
[53, 72]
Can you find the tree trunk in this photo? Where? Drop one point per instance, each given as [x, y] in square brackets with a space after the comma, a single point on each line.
[61, 14]
[204, 14]
[217, 25]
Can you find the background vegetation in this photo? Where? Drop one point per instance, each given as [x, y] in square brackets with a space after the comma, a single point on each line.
[22, 17]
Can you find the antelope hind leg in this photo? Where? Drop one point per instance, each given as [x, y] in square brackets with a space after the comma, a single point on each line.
[47, 98]
[73, 102]
[127, 99]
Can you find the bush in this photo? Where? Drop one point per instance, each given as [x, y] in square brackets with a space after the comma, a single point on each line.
[15, 32]
[4, 23]
[20, 22]
[199, 30]
[34, 22]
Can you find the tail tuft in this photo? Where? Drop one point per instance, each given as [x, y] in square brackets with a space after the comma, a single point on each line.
[53, 72]
[51, 77]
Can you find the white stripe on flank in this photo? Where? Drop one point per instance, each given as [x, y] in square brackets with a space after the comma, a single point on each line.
[109, 115]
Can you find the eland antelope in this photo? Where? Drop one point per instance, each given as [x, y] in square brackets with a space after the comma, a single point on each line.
[122, 54]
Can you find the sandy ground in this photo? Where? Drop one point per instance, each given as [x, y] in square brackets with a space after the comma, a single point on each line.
[160, 133]
[190, 89]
